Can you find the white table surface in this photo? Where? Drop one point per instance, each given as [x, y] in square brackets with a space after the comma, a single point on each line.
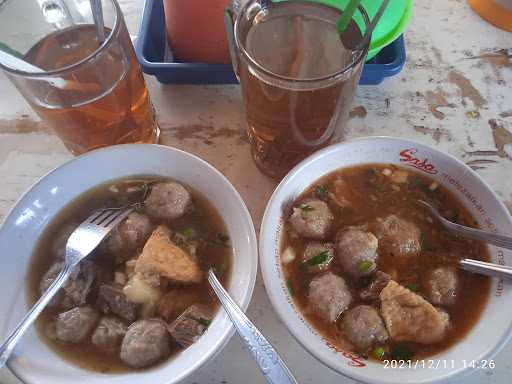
[454, 93]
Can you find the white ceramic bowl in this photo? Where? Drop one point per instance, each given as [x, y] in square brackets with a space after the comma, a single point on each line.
[33, 361]
[485, 339]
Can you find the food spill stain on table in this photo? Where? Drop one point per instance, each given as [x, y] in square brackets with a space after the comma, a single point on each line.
[435, 100]
[437, 134]
[502, 138]
[23, 124]
[467, 90]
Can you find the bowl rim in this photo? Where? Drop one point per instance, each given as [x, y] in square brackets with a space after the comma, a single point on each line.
[284, 313]
[252, 241]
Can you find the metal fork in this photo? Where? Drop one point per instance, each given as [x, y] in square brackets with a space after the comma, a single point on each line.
[471, 233]
[84, 239]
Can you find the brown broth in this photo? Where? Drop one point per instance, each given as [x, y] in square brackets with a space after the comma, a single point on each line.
[372, 196]
[205, 220]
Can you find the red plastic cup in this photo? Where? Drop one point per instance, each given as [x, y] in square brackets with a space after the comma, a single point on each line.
[196, 32]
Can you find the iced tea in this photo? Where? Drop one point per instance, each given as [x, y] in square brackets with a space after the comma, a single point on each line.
[87, 87]
[102, 104]
[298, 81]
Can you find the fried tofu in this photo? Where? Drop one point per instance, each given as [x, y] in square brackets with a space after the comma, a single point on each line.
[409, 317]
[161, 256]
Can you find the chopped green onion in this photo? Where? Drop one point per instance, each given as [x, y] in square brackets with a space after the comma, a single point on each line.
[220, 239]
[204, 322]
[424, 243]
[306, 208]
[365, 265]
[380, 188]
[379, 352]
[223, 267]
[401, 352]
[189, 232]
[321, 258]
[321, 191]
[289, 285]
[418, 182]
[412, 287]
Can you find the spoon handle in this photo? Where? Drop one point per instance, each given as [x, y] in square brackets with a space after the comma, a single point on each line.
[15, 336]
[488, 269]
[477, 234]
[273, 367]
[97, 14]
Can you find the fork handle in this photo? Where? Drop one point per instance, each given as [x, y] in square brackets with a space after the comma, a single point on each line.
[8, 346]
[270, 363]
[477, 234]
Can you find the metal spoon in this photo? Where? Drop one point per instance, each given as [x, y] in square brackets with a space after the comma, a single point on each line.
[273, 367]
[357, 46]
[471, 233]
[97, 15]
[476, 266]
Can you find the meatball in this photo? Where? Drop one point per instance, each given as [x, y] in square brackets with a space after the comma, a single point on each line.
[131, 234]
[357, 251]
[145, 343]
[397, 236]
[75, 325]
[109, 333]
[318, 257]
[329, 296]
[312, 219]
[442, 286]
[168, 201]
[363, 327]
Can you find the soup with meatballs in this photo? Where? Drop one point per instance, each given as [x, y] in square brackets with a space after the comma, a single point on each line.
[142, 295]
[373, 271]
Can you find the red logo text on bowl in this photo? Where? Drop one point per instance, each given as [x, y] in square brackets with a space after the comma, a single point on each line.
[354, 360]
[407, 156]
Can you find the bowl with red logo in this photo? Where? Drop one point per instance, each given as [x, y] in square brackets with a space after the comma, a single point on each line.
[489, 334]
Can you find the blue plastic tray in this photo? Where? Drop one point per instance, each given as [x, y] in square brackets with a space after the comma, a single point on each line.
[151, 50]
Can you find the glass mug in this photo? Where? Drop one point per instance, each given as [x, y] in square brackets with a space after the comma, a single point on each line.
[297, 79]
[91, 93]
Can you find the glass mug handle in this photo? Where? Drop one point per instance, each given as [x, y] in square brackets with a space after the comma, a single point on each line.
[230, 13]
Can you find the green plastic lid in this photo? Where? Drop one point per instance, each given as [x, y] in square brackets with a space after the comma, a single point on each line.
[392, 23]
